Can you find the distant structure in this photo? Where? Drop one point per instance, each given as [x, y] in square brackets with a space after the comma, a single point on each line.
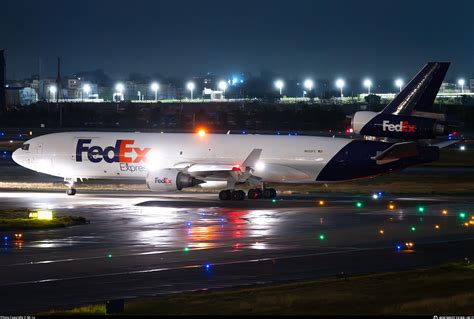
[2, 81]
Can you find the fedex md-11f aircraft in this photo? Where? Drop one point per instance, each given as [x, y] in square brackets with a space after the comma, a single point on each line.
[172, 162]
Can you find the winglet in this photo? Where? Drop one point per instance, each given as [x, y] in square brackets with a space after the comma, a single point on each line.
[253, 158]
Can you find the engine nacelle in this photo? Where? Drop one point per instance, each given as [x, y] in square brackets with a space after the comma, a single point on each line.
[169, 180]
[360, 119]
[397, 126]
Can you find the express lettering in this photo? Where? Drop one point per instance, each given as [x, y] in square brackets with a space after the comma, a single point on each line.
[401, 127]
[122, 152]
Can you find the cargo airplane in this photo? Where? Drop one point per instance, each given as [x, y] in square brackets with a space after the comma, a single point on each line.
[393, 139]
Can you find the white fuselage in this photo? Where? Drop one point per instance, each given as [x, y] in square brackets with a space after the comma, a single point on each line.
[290, 159]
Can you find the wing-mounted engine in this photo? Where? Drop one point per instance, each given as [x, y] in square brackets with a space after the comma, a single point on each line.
[169, 180]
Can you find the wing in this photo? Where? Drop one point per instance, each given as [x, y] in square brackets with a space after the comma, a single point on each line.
[240, 170]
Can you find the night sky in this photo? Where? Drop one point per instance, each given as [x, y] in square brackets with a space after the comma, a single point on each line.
[185, 38]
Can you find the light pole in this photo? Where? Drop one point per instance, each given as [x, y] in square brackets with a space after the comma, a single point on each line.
[52, 92]
[86, 88]
[340, 84]
[308, 84]
[190, 87]
[119, 88]
[399, 84]
[368, 85]
[461, 82]
[279, 85]
[223, 86]
[155, 87]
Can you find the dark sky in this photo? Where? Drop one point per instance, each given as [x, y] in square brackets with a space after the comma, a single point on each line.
[323, 38]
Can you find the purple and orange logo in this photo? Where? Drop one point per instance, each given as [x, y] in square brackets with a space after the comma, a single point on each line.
[122, 152]
[401, 127]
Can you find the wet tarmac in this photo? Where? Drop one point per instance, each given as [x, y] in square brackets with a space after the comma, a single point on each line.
[142, 244]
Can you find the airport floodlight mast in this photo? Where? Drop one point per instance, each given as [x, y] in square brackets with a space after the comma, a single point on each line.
[86, 89]
[368, 85]
[399, 83]
[155, 87]
[223, 87]
[461, 83]
[308, 84]
[279, 85]
[191, 87]
[119, 89]
[52, 93]
[340, 84]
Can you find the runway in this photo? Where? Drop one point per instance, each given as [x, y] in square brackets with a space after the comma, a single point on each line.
[144, 244]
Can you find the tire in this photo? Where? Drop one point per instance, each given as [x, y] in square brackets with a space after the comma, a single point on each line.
[252, 194]
[71, 191]
[267, 193]
[274, 193]
[238, 195]
[224, 195]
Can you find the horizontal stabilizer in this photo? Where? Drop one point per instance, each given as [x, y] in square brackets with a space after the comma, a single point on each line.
[397, 151]
[446, 143]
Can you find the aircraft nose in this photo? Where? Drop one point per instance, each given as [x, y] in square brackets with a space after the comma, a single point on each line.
[16, 157]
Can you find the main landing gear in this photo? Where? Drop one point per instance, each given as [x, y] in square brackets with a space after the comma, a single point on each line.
[255, 193]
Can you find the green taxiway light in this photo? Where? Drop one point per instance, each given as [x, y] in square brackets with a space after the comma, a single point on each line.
[186, 249]
[322, 237]
[413, 228]
[274, 200]
[421, 209]
[462, 215]
[109, 255]
[359, 205]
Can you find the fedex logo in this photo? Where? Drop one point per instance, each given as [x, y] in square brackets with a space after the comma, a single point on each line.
[401, 127]
[164, 180]
[122, 152]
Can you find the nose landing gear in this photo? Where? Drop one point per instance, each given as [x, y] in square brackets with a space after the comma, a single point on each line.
[71, 191]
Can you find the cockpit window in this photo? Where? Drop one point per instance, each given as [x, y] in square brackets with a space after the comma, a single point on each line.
[25, 147]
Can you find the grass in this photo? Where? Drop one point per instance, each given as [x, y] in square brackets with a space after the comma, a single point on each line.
[18, 220]
[453, 157]
[445, 289]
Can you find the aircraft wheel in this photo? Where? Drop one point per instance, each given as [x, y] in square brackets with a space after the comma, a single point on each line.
[269, 193]
[254, 193]
[71, 191]
[225, 195]
[238, 195]
[274, 193]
